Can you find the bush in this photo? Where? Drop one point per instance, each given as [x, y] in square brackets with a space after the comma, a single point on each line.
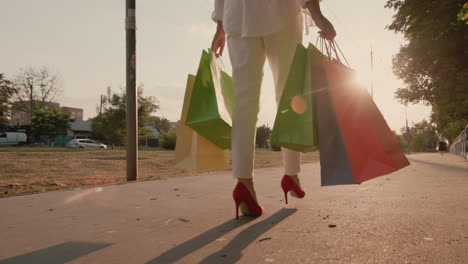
[275, 147]
[168, 140]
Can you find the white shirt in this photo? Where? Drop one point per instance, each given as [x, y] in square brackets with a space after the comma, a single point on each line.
[251, 18]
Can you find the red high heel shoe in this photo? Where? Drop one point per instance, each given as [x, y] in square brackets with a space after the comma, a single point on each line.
[288, 184]
[242, 195]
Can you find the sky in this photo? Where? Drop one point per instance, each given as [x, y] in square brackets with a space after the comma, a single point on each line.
[84, 43]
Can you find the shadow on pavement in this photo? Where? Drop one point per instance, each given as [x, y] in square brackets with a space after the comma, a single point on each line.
[60, 253]
[440, 166]
[232, 251]
[200, 241]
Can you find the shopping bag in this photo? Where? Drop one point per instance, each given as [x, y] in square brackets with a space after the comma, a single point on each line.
[211, 103]
[295, 124]
[193, 151]
[355, 142]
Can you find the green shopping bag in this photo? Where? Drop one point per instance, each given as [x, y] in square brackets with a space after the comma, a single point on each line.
[295, 124]
[212, 102]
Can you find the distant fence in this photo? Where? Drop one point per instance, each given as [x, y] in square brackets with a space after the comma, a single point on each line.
[62, 140]
[460, 145]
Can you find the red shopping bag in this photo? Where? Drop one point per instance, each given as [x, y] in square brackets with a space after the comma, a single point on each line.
[355, 142]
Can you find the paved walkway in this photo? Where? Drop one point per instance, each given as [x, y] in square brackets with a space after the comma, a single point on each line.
[416, 215]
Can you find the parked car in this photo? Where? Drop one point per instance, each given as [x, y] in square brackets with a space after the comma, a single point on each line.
[84, 144]
[12, 138]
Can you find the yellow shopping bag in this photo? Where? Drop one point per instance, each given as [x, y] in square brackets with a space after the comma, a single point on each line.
[193, 151]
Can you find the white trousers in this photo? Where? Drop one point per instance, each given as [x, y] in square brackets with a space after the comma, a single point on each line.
[248, 56]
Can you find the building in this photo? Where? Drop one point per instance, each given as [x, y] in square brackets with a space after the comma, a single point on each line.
[20, 116]
[76, 113]
[173, 125]
[80, 129]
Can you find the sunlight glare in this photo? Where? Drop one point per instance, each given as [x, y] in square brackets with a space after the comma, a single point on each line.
[362, 79]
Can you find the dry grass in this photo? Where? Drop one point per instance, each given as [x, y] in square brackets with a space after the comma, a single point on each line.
[39, 169]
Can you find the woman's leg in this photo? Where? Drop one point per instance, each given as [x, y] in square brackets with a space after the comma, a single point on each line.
[247, 58]
[280, 48]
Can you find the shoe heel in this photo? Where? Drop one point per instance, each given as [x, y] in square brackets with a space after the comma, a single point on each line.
[287, 184]
[242, 195]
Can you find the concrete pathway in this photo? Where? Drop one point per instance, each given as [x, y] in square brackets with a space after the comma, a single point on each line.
[416, 215]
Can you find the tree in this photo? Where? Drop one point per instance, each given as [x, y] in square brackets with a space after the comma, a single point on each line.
[144, 133]
[146, 106]
[423, 137]
[50, 122]
[420, 137]
[35, 89]
[463, 14]
[402, 140]
[162, 124]
[434, 61]
[168, 140]
[262, 136]
[6, 92]
[109, 126]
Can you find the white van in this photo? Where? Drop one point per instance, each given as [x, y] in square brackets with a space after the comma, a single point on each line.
[12, 138]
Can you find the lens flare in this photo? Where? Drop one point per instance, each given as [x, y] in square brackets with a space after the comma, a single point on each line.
[299, 104]
[82, 194]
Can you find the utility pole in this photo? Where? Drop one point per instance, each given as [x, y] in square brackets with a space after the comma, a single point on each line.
[372, 71]
[408, 132]
[131, 109]
[100, 107]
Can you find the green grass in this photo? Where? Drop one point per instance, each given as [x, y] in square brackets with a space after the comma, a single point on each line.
[32, 169]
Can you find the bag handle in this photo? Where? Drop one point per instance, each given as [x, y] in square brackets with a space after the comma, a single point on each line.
[219, 61]
[331, 49]
[334, 45]
[221, 64]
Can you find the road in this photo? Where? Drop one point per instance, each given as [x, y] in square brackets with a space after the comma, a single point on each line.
[416, 215]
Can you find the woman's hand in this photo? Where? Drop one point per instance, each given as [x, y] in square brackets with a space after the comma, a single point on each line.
[327, 30]
[219, 40]
[326, 27]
